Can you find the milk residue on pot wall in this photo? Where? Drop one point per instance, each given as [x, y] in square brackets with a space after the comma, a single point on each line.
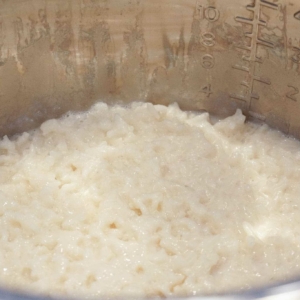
[57, 56]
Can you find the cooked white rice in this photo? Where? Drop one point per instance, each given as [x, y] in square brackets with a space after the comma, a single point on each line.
[148, 200]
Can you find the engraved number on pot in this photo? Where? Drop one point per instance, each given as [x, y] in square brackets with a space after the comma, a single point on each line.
[208, 39]
[208, 61]
[297, 15]
[209, 13]
[296, 56]
[292, 93]
[206, 90]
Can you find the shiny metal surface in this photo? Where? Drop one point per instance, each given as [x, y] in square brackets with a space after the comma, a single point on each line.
[205, 54]
[214, 55]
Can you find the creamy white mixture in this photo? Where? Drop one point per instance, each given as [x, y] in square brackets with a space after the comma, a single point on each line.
[148, 200]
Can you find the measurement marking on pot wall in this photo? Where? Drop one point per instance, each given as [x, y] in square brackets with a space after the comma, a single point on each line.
[297, 15]
[209, 14]
[208, 61]
[257, 116]
[296, 56]
[208, 39]
[206, 90]
[252, 59]
[292, 93]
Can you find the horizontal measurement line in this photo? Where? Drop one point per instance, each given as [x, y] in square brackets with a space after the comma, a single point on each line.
[246, 84]
[244, 47]
[250, 7]
[248, 58]
[269, 4]
[258, 59]
[238, 97]
[243, 98]
[250, 21]
[257, 115]
[244, 20]
[262, 79]
[241, 68]
[255, 96]
[249, 34]
[262, 22]
[265, 43]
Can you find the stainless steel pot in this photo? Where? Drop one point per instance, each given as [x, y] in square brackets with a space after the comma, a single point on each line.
[213, 55]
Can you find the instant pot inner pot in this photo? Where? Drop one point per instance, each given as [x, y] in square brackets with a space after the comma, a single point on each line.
[206, 55]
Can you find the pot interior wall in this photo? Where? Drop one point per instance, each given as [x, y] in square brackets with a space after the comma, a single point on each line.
[211, 55]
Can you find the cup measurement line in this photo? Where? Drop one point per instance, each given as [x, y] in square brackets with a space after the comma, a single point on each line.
[252, 59]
